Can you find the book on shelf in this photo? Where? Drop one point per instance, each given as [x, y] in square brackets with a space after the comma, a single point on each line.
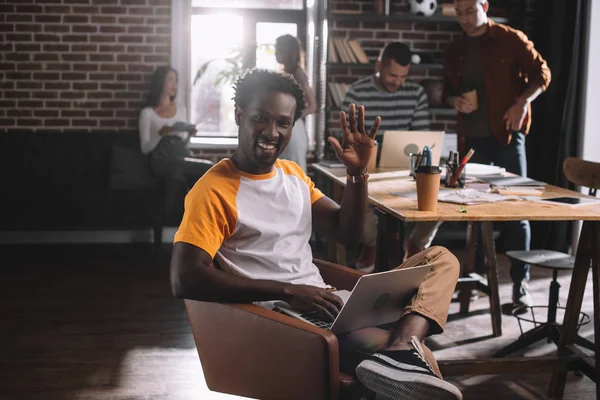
[342, 51]
[338, 91]
[358, 52]
[346, 51]
[448, 10]
[332, 56]
[332, 93]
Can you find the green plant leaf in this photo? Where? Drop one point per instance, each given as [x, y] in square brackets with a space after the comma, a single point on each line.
[202, 70]
[462, 209]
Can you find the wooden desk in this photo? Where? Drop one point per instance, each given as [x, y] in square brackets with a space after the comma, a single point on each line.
[483, 215]
[405, 209]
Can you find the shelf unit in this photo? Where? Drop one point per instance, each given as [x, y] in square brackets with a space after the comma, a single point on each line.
[327, 69]
[371, 66]
[369, 17]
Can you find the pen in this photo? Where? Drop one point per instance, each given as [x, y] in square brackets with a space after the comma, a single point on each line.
[467, 157]
[427, 155]
[461, 167]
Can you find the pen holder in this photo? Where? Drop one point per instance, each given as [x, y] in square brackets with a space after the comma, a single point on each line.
[451, 171]
[415, 161]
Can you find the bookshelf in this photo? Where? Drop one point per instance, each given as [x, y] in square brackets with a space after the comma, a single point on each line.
[371, 66]
[405, 17]
[338, 71]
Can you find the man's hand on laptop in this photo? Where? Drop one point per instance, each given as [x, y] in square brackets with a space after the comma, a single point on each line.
[357, 145]
[312, 298]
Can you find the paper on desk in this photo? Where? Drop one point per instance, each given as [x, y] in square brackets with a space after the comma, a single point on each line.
[519, 190]
[472, 196]
[475, 169]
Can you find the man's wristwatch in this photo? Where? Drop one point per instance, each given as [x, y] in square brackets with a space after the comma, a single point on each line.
[358, 178]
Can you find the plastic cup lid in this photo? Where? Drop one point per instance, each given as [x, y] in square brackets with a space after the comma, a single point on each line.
[428, 169]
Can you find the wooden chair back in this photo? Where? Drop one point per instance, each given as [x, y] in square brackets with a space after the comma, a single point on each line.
[583, 173]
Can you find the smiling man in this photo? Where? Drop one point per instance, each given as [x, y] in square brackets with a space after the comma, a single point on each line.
[253, 215]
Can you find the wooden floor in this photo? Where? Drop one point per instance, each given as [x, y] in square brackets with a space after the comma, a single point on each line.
[99, 322]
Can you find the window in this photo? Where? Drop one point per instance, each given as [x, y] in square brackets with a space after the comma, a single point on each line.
[224, 42]
[211, 105]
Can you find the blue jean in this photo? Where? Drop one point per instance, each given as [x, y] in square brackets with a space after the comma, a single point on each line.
[516, 234]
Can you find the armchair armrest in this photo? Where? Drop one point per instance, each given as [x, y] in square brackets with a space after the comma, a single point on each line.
[251, 351]
[338, 276]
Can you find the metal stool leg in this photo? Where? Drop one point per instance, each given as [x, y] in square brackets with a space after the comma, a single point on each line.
[548, 329]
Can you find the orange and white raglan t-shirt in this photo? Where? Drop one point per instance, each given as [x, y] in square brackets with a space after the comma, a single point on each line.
[255, 226]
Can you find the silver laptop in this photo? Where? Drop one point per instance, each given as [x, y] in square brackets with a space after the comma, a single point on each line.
[376, 299]
[397, 146]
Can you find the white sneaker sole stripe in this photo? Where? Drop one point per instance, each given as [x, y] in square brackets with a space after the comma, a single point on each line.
[397, 364]
[397, 384]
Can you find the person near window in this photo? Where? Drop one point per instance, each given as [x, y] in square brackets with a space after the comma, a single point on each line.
[245, 237]
[164, 136]
[402, 106]
[288, 53]
[507, 73]
[164, 132]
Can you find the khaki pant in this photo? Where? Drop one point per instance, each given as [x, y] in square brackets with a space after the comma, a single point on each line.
[432, 300]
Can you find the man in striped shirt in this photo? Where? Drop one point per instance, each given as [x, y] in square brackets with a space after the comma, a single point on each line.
[402, 105]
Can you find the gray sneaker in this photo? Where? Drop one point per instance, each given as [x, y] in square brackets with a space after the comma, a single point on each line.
[521, 296]
[404, 374]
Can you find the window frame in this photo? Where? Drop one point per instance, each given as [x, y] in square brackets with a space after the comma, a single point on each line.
[251, 17]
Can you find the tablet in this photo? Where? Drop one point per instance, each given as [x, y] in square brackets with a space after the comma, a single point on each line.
[574, 201]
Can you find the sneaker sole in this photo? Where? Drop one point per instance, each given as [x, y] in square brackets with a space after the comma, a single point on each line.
[396, 384]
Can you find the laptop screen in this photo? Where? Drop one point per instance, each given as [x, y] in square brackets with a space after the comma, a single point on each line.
[398, 145]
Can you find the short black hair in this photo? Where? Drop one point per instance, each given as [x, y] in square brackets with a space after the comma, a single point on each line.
[396, 51]
[258, 79]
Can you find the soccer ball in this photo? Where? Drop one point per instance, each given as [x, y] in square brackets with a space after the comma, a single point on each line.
[423, 8]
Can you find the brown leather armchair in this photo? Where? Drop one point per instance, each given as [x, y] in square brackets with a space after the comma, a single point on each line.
[250, 351]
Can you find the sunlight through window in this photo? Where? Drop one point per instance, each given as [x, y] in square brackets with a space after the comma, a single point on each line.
[216, 44]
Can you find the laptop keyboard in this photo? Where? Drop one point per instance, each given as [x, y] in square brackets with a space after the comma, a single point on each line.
[313, 318]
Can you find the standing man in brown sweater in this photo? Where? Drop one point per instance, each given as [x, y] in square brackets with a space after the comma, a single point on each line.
[502, 66]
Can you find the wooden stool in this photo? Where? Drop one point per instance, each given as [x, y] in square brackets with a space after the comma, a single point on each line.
[549, 330]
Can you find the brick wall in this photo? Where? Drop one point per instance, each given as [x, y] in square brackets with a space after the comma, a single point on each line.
[79, 64]
[425, 38]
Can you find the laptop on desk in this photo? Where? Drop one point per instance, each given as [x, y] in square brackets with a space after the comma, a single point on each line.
[397, 146]
[376, 299]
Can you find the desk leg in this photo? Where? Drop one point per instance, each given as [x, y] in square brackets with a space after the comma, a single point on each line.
[492, 276]
[465, 290]
[587, 252]
[336, 252]
[389, 253]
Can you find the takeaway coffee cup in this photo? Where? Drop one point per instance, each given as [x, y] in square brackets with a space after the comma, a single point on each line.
[469, 93]
[428, 187]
